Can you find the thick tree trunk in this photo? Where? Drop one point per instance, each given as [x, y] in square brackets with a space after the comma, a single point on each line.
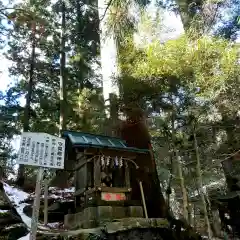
[188, 10]
[63, 99]
[27, 109]
[136, 134]
[183, 6]
[113, 113]
[61, 179]
[179, 167]
[190, 212]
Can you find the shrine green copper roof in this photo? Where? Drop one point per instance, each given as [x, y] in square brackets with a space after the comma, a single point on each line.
[86, 140]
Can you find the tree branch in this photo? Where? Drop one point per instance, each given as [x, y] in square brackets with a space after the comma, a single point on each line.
[105, 12]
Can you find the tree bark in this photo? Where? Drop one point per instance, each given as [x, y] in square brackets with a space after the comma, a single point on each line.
[183, 188]
[45, 201]
[200, 186]
[183, 6]
[188, 10]
[27, 109]
[179, 165]
[190, 212]
[63, 92]
[136, 134]
[61, 178]
[113, 113]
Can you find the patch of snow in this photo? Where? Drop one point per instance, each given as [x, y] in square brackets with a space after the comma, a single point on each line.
[54, 196]
[3, 211]
[214, 184]
[17, 197]
[53, 225]
[43, 227]
[27, 220]
[12, 176]
[66, 190]
[14, 194]
[67, 200]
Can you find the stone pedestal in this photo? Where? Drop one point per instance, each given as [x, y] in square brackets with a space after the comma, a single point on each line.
[95, 216]
[70, 221]
[119, 212]
[135, 211]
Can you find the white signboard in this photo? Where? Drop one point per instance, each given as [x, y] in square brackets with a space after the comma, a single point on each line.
[42, 150]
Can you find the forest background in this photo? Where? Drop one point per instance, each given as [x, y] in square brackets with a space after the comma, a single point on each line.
[186, 85]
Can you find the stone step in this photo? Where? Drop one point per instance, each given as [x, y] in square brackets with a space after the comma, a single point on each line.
[124, 229]
[94, 216]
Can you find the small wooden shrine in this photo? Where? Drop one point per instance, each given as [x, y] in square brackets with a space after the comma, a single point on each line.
[103, 168]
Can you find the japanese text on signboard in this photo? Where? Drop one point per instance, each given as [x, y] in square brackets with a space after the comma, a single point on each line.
[41, 149]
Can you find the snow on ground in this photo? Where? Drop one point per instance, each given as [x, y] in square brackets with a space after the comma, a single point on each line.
[4, 211]
[58, 194]
[53, 225]
[216, 184]
[17, 197]
[12, 176]
[66, 190]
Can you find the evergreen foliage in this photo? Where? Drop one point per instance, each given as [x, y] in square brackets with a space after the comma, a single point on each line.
[188, 87]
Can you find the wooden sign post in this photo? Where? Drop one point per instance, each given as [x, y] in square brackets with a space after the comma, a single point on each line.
[45, 151]
[36, 205]
[45, 201]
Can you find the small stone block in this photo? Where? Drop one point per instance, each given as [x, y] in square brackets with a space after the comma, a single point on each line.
[119, 212]
[89, 224]
[105, 212]
[79, 216]
[90, 213]
[69, 221]
[135, 211]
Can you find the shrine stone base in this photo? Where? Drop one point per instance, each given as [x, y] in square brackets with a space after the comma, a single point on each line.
[93, 217]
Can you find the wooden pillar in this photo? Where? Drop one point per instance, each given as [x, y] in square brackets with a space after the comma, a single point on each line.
[97, 172]
[76, 188]
[45, 201]
[127, 175]
[79, 158]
